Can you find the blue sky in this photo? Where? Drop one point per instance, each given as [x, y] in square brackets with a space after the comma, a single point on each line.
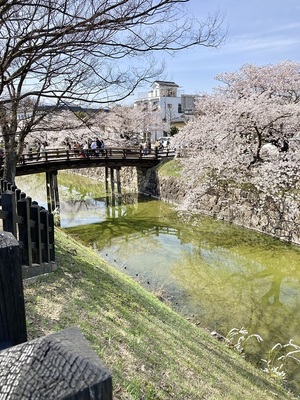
[260, 32]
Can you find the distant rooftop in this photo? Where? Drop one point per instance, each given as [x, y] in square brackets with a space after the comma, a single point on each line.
[165, 83]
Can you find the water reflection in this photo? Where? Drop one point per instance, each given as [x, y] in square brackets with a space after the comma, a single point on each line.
[223, 275]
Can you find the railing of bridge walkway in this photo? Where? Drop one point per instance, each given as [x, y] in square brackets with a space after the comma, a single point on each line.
[56, 154]
[33, 227]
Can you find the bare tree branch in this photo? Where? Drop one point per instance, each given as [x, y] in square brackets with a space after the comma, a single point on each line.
[91, 51]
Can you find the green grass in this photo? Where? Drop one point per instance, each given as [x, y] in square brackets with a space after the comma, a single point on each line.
[152, 352]
[171, 168]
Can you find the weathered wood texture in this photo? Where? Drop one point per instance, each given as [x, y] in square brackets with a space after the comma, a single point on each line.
[31, 225]
[12, 309]
[54, 367]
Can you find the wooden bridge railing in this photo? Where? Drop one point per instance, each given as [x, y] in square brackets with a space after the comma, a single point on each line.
[108, 153]
[33, 227]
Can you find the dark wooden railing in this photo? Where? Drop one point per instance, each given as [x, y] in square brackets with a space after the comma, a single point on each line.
[65, 155]
[56, 154]
[31, 224]
[55, 159]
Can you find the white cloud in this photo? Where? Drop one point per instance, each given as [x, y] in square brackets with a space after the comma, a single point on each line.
[246, 43]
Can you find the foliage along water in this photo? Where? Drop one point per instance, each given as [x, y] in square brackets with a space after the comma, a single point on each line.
[218, 275]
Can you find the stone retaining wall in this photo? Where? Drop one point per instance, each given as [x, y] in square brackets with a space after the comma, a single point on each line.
[254, 210]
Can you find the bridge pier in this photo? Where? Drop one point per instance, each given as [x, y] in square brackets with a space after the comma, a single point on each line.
[113, 181]
[52, 191]
[106, 179]
[118, 169]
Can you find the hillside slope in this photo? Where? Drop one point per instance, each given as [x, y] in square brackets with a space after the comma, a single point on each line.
[152, 352]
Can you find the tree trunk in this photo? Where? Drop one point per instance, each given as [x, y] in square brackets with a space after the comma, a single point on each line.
[9, 166]
[9, 124]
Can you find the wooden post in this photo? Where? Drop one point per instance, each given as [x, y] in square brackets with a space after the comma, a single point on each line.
[55, 191]
[52, 194]
[23, 207]
[106, 179]
[5, 183]
[112, 181]
[12, 309]
[58, 366]
[52, 191]
[18, 194]
[8, 202]
[51, 236]
[118, 169]
[36, 233]
[48, 189]
[45, 236]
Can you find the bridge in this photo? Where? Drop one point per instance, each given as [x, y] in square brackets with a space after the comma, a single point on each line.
[60, 159]
[111, 158]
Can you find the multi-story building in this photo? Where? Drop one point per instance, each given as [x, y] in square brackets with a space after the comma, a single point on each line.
[164, 96]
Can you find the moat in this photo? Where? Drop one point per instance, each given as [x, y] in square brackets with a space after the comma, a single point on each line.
[215, 274]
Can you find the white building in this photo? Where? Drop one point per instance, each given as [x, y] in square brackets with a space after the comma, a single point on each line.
[164, 96]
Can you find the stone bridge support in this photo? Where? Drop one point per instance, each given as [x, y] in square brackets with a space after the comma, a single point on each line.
[148, 181]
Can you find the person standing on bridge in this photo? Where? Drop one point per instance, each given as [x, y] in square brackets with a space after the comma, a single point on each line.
[44, 150]
[149, 145]
[38, 151]
[85, 150]
[145, 149]
[98, 142]
[102, 146]
[94, 148]
[68, 145]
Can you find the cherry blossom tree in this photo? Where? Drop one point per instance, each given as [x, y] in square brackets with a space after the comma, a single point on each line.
[248, 129]
[66, 126]
[74, 51]
[116, 126]
[126, 122]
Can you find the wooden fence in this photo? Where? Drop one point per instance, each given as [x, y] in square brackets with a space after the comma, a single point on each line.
[33, 227]
[54, 367]
[67, 366]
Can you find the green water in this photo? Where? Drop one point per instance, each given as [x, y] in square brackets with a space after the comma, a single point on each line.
[218, 275]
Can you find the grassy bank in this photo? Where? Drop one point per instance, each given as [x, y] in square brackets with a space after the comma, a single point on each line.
[152, 352]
